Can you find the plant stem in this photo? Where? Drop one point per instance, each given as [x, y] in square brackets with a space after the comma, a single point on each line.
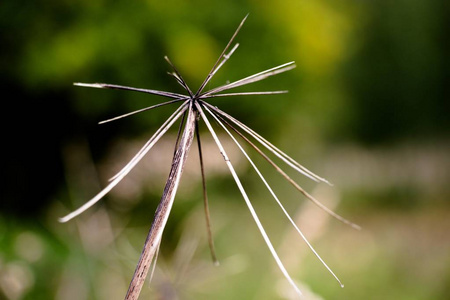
[162, 212]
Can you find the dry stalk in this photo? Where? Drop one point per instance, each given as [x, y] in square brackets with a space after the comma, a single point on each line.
[162, 212]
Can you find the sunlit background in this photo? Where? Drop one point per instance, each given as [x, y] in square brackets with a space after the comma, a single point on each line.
[368, 108]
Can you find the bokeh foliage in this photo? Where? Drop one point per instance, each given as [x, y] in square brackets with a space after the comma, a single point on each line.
[367, 105]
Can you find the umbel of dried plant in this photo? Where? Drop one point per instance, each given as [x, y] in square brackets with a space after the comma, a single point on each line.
[193, 109]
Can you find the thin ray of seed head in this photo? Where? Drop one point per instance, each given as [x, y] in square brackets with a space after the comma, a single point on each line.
[123, 172]
[180, 132]
[257, 137]
[180, 111]
[128, 88]
[217, 118]
[213, 70]
[247, 201]
[205, 198]
[178, 79]
[253, 78]
[280, 154]
[224, 60]
[243, 94]
[178, 76]
[140, 110]
[295, 184]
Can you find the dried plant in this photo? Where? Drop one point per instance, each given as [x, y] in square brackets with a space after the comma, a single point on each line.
[194, 108]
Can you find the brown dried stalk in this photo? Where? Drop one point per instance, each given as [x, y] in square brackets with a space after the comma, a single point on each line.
[162, 213]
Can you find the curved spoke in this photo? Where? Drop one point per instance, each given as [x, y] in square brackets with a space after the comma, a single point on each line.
[140, 110]
[274, 195]
[123, 172]
[128, 88]
[280, 154]
[249, 204]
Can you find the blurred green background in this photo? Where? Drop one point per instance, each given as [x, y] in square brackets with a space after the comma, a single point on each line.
[368, 109]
